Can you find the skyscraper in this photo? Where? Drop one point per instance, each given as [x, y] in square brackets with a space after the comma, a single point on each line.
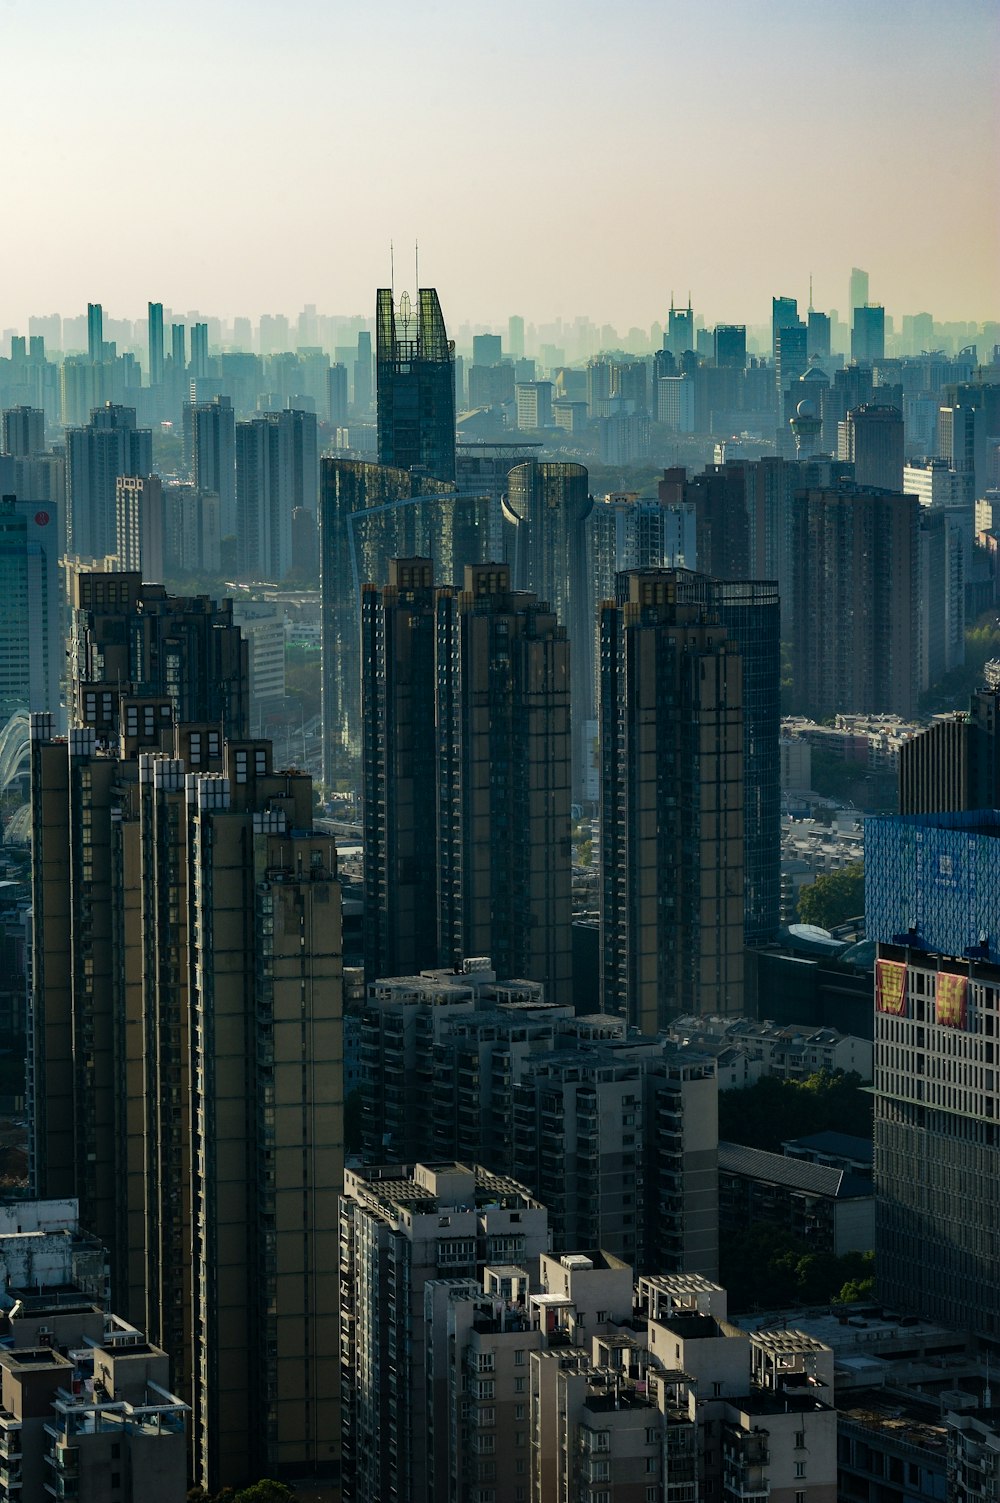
[110, 445]
[875, 445]
[370, 514]
[155, 337]
[185, 1042]
[95, 333]
[857, 293]
[515, 336]
[277, 466]
[680, 330]
[23, 432]
[729, 343]
[336, 394]
[363, 375]
[199, 351]
[503, 787]
[415, 383]
[672, 849]
[31, 627]
[868, 333]
[931, 907]
[399, 770]
[212, 429]
[855, 634]
[546, 510]
[784, 313]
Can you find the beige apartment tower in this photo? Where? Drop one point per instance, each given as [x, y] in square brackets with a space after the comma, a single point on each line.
[186, 1061]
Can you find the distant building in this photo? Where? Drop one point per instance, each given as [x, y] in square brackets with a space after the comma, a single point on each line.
[23, 432]
[32, 646]
[856, 609]
[831, 1210]
[110, 445]
[874, 436]
[868, 333]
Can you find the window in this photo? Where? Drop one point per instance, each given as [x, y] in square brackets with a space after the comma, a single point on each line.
[717, 1390]
[652, 1436]
[652, 1463]
[800, 1497]
[652, 1495]
[800, 1469]
[519, 1357]
[518, 1385]
[800, 1440]
[519, 1411]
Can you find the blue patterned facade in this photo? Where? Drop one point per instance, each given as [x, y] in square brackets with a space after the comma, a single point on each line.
[932, 882]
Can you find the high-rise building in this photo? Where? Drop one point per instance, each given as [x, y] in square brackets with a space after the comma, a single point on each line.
[875, 445]
[680, 330]
[546, 510]
[515, 336]
[642, 1186]
[155, 338]
[931, 907]
[370, 514]
[186, 1060]
[855, 622]
[784, 314]
[363, 375]
[178, 348]
[415, 383]
[31, 626]
[818, 334]
[95, 333]
[140, 526]
[672, 850]
[503, 787]
[277, 468]
[23, 432]
[719, 499]
[955, 764]
[729, 342]
[199, 351]
[406, 1227]
[534, 404]
[131, 637]
[857, 293]
[868, 333]
[336, 394]
[210, 434]
[110, 445]
[399, 771]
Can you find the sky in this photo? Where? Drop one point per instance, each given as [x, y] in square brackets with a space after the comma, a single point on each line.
[551, 160]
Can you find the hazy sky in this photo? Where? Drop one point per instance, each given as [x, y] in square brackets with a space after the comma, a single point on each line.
[552, 159]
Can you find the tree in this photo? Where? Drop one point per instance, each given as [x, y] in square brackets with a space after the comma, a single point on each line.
[767, 1114]
[834, 898]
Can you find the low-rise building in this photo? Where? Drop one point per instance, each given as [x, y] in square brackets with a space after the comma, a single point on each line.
[830, 1209]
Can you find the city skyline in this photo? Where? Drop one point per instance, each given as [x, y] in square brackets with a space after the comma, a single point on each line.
[746, 131]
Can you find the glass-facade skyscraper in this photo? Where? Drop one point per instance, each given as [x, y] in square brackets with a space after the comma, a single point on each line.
[415, 384]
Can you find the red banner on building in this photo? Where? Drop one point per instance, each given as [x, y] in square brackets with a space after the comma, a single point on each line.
[890, 987]
[950, 999]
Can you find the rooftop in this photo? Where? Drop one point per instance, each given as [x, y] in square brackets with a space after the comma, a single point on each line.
[793, 1174]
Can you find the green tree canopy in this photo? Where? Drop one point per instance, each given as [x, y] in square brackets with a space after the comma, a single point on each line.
[767, 1114]
[834, 898]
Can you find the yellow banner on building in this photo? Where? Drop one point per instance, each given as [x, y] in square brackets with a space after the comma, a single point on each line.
[950, 999]
[890, 987]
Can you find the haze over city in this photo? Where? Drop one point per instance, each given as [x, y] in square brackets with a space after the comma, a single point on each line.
[500, 752]
[549, 160]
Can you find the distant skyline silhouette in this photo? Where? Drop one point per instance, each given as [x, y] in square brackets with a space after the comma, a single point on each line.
[551, 162]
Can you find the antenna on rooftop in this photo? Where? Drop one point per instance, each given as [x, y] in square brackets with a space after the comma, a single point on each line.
[392, 269]
[416, 265]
